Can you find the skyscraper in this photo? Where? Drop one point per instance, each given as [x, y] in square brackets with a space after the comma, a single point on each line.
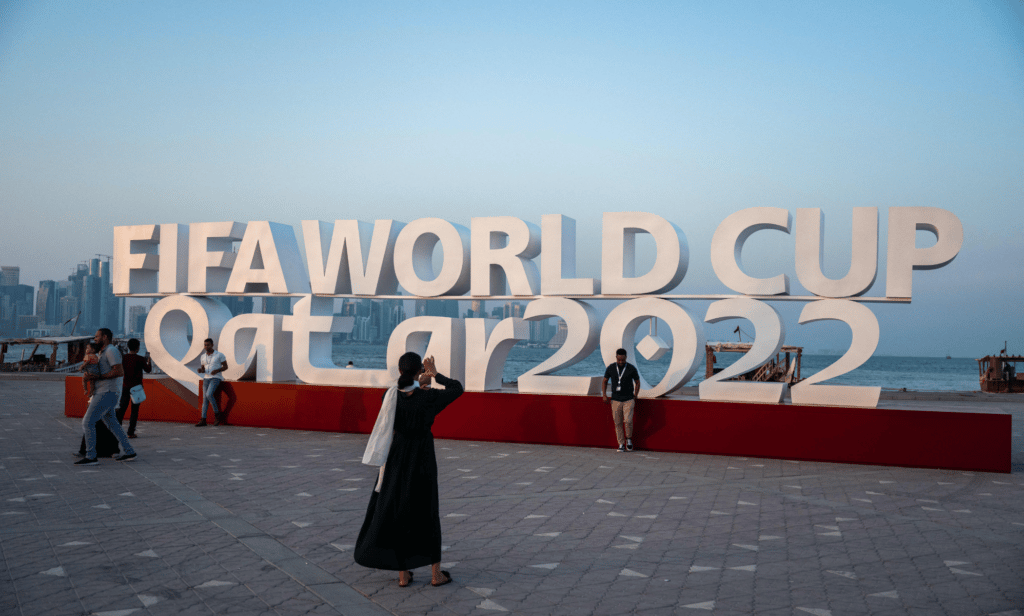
[96, 301]
[10, 275]
[443, 308]
[392, 313]
[560, 335]
[513, 309]
[46, 302]
[137, 319]
[239, 304]
[541, 331]
[68, 310]
[15, 301]
[277, 305]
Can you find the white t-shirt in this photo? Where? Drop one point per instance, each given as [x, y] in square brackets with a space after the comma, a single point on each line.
[109, 357]
[210, 362]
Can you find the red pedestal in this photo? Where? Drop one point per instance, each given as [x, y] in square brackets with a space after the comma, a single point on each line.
[977, 441]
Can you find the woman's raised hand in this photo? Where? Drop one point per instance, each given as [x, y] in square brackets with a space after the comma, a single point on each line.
[429, 369]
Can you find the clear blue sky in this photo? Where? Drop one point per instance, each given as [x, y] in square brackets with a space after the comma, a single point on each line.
[116, 113]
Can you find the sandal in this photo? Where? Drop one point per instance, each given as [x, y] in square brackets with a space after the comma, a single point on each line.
[400, 584]
[447, 579]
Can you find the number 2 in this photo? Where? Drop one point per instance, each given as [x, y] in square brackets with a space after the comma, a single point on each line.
[769, 333]
[581, 339]
[864, 326]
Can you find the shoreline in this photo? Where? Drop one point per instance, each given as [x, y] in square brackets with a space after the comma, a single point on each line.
[887, 394]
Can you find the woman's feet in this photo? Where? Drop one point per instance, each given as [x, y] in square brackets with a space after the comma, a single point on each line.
[438, 577]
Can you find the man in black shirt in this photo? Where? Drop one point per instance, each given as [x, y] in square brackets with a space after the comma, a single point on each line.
[625, 388]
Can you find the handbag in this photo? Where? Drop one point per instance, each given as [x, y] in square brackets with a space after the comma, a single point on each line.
[137, 394]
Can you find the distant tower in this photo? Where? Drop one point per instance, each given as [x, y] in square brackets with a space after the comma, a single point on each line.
[10, 275]
[107, 304]
[513, 309]
[237, 304]
[137, 319]
[392, 313]
[443, 308]
[277, 305]
[560, 335]
[46, 302]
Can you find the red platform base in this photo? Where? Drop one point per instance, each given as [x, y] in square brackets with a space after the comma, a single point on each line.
[976, 441]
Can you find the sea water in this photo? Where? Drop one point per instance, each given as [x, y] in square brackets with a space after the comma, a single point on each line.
[888, 372]
[912, 373]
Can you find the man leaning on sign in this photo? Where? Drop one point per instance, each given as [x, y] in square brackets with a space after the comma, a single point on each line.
[211, 364]
[625, 388]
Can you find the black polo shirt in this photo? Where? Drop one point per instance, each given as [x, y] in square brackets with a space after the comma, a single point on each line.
[629, 376]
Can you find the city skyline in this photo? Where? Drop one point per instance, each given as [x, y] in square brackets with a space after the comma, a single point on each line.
[121, 113]
[83, 302]
[59, 308]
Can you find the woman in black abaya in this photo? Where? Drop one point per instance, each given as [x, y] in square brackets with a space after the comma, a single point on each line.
[402, 529]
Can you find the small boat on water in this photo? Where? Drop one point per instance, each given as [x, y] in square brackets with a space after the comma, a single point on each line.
[997, 374]
[42, 362]
[783, 368]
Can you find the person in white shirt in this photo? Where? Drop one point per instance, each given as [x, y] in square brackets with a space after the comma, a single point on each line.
[211, 364]
[106, 393]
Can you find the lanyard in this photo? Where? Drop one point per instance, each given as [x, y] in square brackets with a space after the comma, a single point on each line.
[618, 383]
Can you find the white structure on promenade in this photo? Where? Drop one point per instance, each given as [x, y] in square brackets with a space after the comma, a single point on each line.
[190, 265]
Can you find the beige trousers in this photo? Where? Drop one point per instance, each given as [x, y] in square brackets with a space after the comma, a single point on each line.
[622, 415]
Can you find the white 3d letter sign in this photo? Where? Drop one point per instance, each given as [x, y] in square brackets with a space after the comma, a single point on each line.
[269, 260]
[257, 348]
[188, 266]
[210, 255]
[904, 255]
[166, 329]
[414, 258]
[488, 342]
[727, 247]
[618, 254]
[810, 253]
[558, 234]
[351, 257]
[503, 249]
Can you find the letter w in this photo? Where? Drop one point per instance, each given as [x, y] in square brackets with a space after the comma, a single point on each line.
[350, 267]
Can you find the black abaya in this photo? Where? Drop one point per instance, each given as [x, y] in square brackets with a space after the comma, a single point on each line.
[402, 529]
[107, 445]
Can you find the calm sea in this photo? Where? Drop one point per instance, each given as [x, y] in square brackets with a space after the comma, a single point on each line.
[913, 373]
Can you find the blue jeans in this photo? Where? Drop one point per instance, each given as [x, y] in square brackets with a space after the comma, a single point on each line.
[102, 407]
[210, 387]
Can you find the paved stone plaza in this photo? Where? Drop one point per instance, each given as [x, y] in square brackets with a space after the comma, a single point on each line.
[255, 521]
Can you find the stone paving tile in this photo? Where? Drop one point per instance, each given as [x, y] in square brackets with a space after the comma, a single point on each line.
[527, 528]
